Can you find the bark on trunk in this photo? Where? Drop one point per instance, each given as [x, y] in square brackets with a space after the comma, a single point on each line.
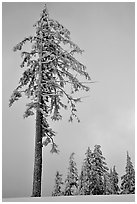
[37, 174]
[36, 192]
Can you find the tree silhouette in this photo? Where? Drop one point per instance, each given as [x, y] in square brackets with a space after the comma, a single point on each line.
[50, 68]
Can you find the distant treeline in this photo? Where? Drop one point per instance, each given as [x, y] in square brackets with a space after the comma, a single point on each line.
[95, 177]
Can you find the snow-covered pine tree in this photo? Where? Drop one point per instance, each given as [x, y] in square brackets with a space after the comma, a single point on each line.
[85, 176]
[71, 182]
[114, 181]
[49, 67]
[99, 168]
[107, 183]
[58, 184]
[111, 181]
[128, 180]
[81, 182]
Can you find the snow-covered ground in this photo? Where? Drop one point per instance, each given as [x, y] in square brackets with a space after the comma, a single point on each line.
[95, 198]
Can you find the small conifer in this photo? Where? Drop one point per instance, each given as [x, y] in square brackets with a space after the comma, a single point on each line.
[58, 184]
[71, 182]
[128, 179]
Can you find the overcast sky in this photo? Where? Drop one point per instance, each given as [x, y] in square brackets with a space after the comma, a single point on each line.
[106, 32]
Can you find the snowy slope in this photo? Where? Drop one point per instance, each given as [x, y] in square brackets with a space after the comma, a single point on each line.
[95, 198]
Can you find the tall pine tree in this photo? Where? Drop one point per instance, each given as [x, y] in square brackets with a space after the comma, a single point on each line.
[98, 170]
[71, 182]
[58, 184]
[128, 180]
[49, 68]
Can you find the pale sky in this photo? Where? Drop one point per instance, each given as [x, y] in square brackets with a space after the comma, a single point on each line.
[106, 32]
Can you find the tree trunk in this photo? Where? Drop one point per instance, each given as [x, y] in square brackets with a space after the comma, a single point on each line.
[36, 192]
[37, 174]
